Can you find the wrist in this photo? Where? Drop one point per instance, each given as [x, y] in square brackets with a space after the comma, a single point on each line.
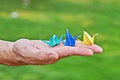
[7, 54]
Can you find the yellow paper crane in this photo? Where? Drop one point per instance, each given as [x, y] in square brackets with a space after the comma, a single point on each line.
[87, 39]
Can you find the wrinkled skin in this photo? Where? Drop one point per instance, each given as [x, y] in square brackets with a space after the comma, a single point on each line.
[36, 52]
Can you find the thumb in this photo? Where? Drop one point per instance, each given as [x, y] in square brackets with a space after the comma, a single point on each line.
[45, 55]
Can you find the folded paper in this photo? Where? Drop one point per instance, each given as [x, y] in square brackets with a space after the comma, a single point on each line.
[54, 40]
[70, 41]
[87, 39]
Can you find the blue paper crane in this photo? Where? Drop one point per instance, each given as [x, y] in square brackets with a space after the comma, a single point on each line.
[70, 41]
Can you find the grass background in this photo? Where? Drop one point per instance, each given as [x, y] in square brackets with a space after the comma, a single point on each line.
[43, 18]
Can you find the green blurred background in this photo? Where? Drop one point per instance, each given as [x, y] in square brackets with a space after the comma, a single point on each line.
[40, 19]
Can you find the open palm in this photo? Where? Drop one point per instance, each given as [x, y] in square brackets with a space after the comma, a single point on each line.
[38, 53]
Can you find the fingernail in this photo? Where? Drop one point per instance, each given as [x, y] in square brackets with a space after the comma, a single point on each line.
[53, 56]
[98, 49]
[89, 52]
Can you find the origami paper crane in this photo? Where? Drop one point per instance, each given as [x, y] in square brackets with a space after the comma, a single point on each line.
[70, 41]
[54, 40]
[87, 39]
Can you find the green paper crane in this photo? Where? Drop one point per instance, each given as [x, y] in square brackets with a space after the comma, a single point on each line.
[54, 40]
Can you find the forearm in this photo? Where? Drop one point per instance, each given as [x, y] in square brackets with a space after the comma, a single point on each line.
[7, 55]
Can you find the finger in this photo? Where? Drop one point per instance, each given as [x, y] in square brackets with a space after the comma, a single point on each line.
[80, 51]
[94, 48]
[66, 51]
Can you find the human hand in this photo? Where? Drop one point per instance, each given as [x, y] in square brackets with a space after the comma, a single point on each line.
[36, 52]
